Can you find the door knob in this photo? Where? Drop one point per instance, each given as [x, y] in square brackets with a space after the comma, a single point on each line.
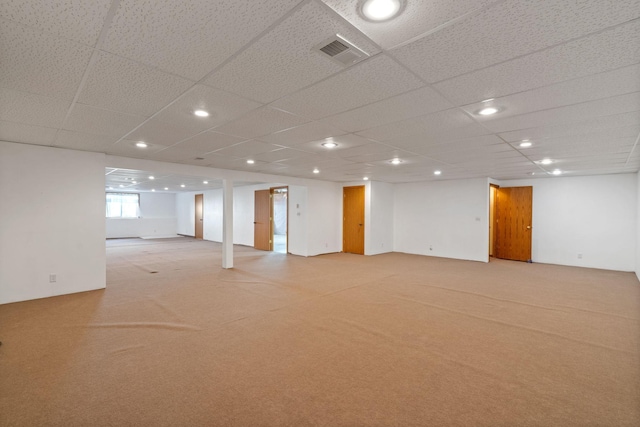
[528, 227]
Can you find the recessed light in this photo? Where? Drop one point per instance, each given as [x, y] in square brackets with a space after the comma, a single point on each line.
[166, 188]
[153, 189]
[526, 143]
[201, 113]
[366, 178]
[487, 111]
[316, 170]
[152, 177]
[121, 186]
[546, 161]
[437, 172]
[330, 144]
[396, 161]
[380, 10]
[557, 172]
[205, 182]
[251, 161]
[141, 144]
[182, 185]
[134, 182]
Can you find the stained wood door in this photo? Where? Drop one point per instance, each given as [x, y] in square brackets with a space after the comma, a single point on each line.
[199, 217]
[262, 220]
[353, 220]
[513, 223]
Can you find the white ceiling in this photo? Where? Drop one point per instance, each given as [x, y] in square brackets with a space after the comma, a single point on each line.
[102, 75]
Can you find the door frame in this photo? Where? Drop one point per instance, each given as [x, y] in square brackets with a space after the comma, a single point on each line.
[198, 220]
[272, 191]
[492, 220]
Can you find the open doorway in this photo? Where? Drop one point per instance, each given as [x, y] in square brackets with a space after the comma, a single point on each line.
[280, 209]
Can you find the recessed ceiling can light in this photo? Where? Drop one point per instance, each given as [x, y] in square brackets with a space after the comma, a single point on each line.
[153, 189]
[205, 182]
[330, 144]
[526, 144]
[366, 178]
[121, 186]
[437, 172]
[201, 113]
[166, 188]
[557, 172]
[251, 161]
[141, 144]
[380, 10]
[316, 170]
[152, 177]
[134, 182]
[182, 185]
[546, 161]
[396, 161]
[488, 111]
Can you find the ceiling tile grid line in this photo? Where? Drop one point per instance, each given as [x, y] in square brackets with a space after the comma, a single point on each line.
[633, 149]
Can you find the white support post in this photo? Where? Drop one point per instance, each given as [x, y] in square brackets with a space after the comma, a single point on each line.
[227, 223]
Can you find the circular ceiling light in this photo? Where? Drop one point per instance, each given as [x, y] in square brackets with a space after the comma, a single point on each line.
[329, 144]
[557, 172]
[366, 178]
[166, 188]
[437, 172]
[546, 161]
[153, 189]
[182, 185]
[487, 111]
[380, 10]
[205, 182]
[141, 144]
[201, 113]
[526, 144]
[251, 161]
[316, 170]
[152, 177]
[396, 161]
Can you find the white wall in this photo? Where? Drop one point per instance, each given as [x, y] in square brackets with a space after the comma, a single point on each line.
[157, 218]
[443, 218]
[595, 216]
[324, 219]
[379, 224]
[52, 221]
[297, 239]
[186, 213]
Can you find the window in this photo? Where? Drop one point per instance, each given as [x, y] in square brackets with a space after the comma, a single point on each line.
[123, 205]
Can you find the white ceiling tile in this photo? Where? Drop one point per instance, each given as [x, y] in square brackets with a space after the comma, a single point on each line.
[428, 125]
[27, 108]
[571, 113]
[412, 104]
[98, 121]
[189, 38]
[128, 148]
[344, 142]
[597, 86]
[35, 62]
[160, 132]
[78, 20]
[372, 80]
[312, 131]
[27, 134]
[461, 144]
[577, 128]
[417, 18]
[84, 141]
[266, 74]
[119, 84]
[222, 107]
[279, 155]
[208, 141]
[384, 158]
[507, 30]
[260, 122]
[246, 149]
[604, 51]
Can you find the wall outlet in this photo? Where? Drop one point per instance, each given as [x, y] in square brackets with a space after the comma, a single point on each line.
[579, 256]
[53, 278]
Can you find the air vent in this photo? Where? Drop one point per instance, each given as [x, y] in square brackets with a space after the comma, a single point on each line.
[341, 51]
[199, 158]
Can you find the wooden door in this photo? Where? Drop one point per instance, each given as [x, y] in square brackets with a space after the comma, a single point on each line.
[513, 223]
[199, 217]
[262, 220]
[353, 220]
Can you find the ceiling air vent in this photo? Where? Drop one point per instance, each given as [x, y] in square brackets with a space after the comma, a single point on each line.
[341, 51]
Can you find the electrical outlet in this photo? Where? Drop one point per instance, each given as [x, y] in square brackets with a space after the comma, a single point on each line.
[53, 278]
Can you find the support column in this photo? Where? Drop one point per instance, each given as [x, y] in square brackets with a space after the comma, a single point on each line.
[227, 223]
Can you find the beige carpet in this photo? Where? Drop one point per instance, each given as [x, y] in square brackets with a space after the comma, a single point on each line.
[335, 340]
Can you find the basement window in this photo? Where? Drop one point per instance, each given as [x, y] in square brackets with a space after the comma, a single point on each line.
[123, 205]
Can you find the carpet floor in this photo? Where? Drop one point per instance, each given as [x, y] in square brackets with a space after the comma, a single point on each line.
[332, 340]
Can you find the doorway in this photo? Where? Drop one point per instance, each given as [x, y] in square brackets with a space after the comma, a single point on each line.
[280, 218]
[199, 220]
[512, 222]
[492, 218]
[353, 220]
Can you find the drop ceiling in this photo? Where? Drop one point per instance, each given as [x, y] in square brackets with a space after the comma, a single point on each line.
[103, 75]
